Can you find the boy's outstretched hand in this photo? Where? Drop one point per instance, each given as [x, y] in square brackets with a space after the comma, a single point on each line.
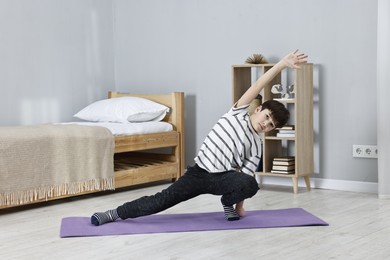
[293, 60]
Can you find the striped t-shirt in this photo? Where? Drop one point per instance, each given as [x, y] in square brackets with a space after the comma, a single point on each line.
[232, 144]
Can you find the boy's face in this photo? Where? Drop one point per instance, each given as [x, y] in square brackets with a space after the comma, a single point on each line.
[262, 120]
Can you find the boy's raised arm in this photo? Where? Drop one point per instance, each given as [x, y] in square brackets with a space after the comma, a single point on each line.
[291, 60]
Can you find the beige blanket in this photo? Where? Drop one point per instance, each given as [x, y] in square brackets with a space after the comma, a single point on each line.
[43, 161]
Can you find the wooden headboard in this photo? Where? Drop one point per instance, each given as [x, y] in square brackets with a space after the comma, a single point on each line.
[174, 100]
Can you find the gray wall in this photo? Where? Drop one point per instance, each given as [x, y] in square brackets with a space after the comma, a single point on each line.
[57, 56]
[383, 93]
[191, 45]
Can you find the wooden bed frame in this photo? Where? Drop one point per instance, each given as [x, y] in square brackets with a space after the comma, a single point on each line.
[138, 159]
[132, 166]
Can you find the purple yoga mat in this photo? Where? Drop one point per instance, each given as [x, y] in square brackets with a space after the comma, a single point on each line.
[162, 223]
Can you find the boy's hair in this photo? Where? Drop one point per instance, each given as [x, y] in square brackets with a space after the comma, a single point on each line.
[279, 112]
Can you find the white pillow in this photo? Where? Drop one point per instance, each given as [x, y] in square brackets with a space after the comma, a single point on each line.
[123, 110]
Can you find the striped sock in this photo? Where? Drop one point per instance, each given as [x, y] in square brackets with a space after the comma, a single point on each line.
[230, 213]
[100, 218]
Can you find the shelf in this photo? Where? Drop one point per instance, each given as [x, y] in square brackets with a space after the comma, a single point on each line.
[301, 108]
[279, 138]
[276, 174]
[248, 65]
[285, 101]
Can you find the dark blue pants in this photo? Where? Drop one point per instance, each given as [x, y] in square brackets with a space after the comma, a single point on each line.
[233, 186]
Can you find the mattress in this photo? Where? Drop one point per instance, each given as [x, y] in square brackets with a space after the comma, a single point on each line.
[121, 129]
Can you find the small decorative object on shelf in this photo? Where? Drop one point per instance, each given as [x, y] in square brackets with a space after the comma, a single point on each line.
[290, 91]
[283, 92]
[256, 59]
[277, 89]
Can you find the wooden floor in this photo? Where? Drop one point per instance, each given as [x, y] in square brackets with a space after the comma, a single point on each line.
[359, 229]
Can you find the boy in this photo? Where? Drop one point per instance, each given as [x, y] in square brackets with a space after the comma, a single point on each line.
[227, 158]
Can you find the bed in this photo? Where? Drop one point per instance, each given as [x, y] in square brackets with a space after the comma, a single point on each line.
[134, 159]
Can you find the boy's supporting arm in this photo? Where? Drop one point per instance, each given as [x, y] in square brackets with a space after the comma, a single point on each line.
[291, 60]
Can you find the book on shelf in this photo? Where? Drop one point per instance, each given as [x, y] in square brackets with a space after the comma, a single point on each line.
[283, 172]
[285, 134]
[286, 131]
[285, 158]
[283, 167]
[286, 127]
[284, 162]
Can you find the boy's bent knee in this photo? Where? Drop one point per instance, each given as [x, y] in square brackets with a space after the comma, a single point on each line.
[253, 186]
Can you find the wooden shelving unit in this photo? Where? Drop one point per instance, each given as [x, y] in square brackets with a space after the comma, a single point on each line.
[301, 109]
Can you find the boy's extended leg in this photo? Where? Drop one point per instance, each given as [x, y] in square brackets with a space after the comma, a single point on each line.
[186, 187]
[233, 186]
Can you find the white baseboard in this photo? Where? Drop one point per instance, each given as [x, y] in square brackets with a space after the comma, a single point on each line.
[329, 184]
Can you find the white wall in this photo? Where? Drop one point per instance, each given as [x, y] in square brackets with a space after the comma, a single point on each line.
[56, 56]
[383, 98]
[190, 46]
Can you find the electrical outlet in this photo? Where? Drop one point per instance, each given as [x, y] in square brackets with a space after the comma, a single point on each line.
[365, 151]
